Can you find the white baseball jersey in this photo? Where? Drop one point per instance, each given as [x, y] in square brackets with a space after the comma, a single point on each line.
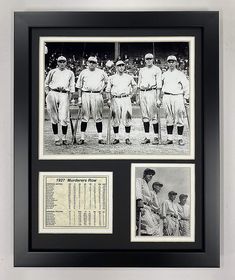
[150, 77]
[92, 80]
[150, 222]
[58, 102]
[120, 84]
[143, 190]
[61, 78]
[175, 82]
[184, 211]
[169, 208]
[156, 202]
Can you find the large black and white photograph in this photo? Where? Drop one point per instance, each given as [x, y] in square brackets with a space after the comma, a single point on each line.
[116, 98]
[162, 203]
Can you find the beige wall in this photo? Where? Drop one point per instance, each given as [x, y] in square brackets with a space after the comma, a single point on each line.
[227, 62]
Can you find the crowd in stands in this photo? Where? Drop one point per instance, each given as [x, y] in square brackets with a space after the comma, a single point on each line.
[133, 64]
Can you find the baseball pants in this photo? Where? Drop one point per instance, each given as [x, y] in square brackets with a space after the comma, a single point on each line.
[121, 111]
[172, 226]
[174, 109]
[92, 105]
[148, 106]
[184, 227]
[151, 223]
[58, 107]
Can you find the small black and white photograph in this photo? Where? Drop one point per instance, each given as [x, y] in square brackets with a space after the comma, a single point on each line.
[162, 203]
[116, 98]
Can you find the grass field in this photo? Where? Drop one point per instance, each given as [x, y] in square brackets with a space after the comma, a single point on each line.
[91, 146]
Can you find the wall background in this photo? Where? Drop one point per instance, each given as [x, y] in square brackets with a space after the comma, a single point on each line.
[227, 113]
[176, 179]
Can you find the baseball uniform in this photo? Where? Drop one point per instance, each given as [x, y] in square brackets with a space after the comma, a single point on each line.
[156, 207]
[150, 79]
[175, 89]
[92, 84]
[150, 84]
[149, 220]
[58, 100]
[184, 222]
[170, 212]
[59, 84]
[120, 87]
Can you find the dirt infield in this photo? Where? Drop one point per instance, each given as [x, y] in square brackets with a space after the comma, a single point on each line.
[91, 146]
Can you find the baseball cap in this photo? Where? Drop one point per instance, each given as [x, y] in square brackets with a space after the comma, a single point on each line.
[109, 63]
[171, 57]
[181, 196]
[157, 184]
[119, 62]
[93, 59]
[172, 193]
[148, 55]
[61, 58]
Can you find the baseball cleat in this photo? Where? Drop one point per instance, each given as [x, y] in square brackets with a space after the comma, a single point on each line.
[145, 141]
[58, 142]
[181, 142]
[155, 141]
[102, 142]
[81, 142]
[168, 142]
[128, 141]
[115, 141]
[65, 142]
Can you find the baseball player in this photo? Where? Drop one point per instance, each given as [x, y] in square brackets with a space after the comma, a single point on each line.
[121, 87]
[59, 86]
[184, 215]
[109, 67]
[175, 89]
[150, 84]
[91, 83]
[170, 215]
[149, 224]
[156, 207]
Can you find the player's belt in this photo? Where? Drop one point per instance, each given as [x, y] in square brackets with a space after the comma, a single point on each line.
[91, 91]
[64, 91]
[171, 215]
[120, 96]
[149, 89]
[168, 93]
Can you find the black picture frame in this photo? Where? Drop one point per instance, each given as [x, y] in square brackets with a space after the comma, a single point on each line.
[29, 249]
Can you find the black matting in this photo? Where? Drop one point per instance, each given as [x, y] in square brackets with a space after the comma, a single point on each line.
[33, 249]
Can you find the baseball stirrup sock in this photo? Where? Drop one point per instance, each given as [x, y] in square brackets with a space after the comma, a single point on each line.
[55, 128]
[180, 130]
[169, 129]
[127, 129]
[99, 127]
[64, 129]
[83, 126]
[146, 127]
[116, 129]
[155, 128]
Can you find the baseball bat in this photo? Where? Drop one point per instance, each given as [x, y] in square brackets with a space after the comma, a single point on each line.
[76, 126]
[71, 124]
[159, 125]
[139, 224]
[187, 116]
[109, 127]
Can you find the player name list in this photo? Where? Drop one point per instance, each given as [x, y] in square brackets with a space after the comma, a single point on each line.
[75, 202]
